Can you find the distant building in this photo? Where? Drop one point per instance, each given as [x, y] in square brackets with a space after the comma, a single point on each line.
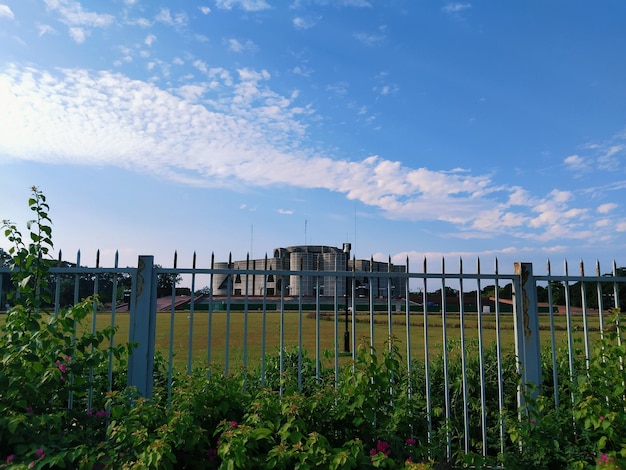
[325, 259]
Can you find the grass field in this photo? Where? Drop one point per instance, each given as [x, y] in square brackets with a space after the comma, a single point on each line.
[233, 326]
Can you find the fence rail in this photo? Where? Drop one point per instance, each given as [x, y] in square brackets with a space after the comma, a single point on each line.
[426, 311]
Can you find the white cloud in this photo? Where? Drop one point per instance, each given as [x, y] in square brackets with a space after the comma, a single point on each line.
[5, 12]
[165, 16]
[234, 45]
[45, 29]
[455, 7]
[369, 39]
[230, 131]
[73, 14]
[606, 208]
[575, 163]
[204, 9]
[150, 38]
[285, 211]
[247, 5]
[303, 23]
[78, 34]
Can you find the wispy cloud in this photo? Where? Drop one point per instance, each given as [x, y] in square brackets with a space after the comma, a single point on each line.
[247, 5]
[455, 7]
[204, 9]
[238, 134]
[369, 39]
[235, 45]
[6, 12]
[285, 211]
[79, 21]
[303, 23]
[166, 17]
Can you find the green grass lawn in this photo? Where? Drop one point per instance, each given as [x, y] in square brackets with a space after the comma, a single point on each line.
[253, 342]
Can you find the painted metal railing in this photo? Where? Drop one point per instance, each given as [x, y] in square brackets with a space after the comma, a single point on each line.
[400, 315]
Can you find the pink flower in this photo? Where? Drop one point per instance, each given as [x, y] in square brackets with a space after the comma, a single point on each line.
[602, 418]
[233, 424]
[31, 465]
[40, 453]
[29, 409]
[382, 446]
[373, 452]
[62, 367]
[410, 441]
[10, 458]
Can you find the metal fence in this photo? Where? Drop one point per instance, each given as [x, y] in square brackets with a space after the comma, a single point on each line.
[442, 319]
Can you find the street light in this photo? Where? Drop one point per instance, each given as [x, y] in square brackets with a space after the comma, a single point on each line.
[346, 337]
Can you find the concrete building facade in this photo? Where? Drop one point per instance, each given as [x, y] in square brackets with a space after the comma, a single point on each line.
[325, 259]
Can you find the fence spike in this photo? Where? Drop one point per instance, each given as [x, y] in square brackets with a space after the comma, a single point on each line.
[194, 260]
[478, 265]
[117, 258]
[60, 257]
[597, 267]
[212, 261]
[175, 258]
[496, 266]
[98, 258]
[78, 258]
[548, 265]
[425, 263]
[460, 265]
[582, 268]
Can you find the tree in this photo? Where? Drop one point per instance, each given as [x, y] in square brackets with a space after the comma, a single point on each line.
[166, 281]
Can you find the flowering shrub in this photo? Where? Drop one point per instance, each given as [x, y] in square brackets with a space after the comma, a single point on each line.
[57, 408]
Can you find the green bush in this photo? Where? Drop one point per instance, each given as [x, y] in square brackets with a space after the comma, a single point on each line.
[58, 408]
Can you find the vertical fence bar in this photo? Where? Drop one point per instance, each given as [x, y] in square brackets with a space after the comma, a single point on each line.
[499, 358]
[300, 346]
[407, 306]
[371, 302]
[264, 325]
[354, 294]
[336, 323]
[70, 401]
[210, 316]
[528, 348]
[481, 359]
[113, 311]
[599, 293]
[463, 360]
[570, 339]
[245, 325]
[555, 371]
[429, 409]
[170, 362]
[281, 368]
[318, 357]
[446, 391]
[93, 329]
[142, 327]
[57, 289]
[389, 306]
[191, 314]
[229, 293]
[583, 298]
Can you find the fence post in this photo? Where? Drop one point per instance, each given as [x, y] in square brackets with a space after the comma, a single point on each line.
[142, 327]
[527, 346]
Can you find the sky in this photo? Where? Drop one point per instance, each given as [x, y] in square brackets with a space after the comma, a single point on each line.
[413, 129]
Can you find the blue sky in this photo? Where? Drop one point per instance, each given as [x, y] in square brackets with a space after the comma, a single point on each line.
[409, 128]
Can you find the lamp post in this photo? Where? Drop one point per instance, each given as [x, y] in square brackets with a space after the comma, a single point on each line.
[346, 337]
